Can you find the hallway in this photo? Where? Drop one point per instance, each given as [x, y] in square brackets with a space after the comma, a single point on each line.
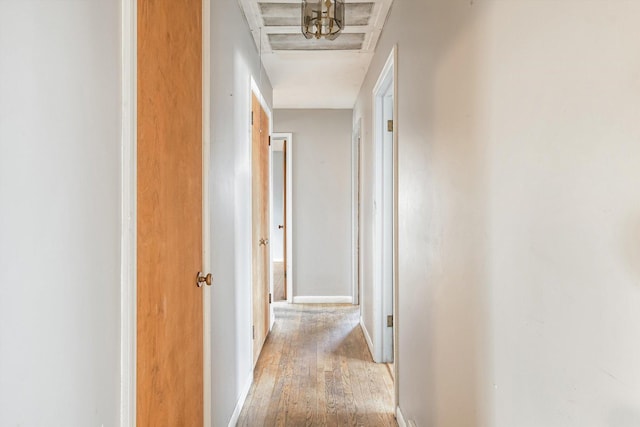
[513, 129]
[315, 370]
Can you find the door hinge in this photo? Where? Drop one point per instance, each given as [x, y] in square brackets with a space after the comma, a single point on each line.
[285, 274]
[390, 125]
[252, 117]
[269, 140]
[253, 332]
[390, 321]
[269, 298]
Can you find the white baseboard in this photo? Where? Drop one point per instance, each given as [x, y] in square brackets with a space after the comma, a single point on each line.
[367, 337]
[243, 397]
[323, 300]
[402, 422]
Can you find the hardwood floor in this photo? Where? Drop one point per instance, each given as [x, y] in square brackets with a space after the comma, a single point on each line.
[278, 281]
[316, 370]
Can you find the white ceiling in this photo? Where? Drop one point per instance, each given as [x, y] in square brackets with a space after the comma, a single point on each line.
[315, 73]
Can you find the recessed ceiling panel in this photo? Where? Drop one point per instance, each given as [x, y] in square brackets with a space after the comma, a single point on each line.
[291, 60]
[288, 14]
[349, 41]
[280, 14]
[357, 13]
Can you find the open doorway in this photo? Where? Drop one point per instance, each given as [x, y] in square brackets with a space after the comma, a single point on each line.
[281, 217]
[278, 219]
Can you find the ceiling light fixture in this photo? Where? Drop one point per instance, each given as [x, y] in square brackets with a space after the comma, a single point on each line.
[322, 18]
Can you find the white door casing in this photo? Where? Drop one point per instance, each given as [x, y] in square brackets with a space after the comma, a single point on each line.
[385, 211]
[288, 136]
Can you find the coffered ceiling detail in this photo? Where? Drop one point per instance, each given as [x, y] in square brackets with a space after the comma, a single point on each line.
[276, 23]
[292, 61]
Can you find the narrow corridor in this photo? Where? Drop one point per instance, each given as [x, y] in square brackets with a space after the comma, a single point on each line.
[316, 370]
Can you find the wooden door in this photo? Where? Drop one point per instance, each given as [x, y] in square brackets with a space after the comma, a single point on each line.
[260, 233]
[169, 320]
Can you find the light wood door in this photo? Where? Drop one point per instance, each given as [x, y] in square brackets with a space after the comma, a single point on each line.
[169, 318]
[260, 215]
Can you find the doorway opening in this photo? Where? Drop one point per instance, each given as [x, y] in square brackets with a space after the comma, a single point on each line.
[282, 217]
[278, 220]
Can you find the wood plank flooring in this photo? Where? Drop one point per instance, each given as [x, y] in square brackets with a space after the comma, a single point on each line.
[278, 281]
[316, 370]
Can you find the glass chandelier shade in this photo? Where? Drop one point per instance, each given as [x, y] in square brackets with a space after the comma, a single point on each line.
[322, 18]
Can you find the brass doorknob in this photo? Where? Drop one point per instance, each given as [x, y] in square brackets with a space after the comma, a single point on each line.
[202, 279]
[264, 242]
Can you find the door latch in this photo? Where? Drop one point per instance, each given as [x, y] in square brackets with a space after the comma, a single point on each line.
[201, 279]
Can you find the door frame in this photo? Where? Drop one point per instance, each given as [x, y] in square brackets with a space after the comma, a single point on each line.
[275, 148]
[387, 80]
[288, 136]
[128, 247]
[207, 359]
[128, 209]
[356, 212]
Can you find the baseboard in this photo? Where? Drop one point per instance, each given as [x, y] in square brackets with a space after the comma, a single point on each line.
[367, 337]
[402, 422]
[243, 397]
[323, 300]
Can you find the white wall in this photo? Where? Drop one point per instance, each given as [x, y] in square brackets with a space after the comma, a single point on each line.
[234, 59]
[277, 217]
[59, 213]
[321, 199]
[519, 146]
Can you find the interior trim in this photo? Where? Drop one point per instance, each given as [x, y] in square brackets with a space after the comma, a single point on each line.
[346, 299]
[128, 215]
